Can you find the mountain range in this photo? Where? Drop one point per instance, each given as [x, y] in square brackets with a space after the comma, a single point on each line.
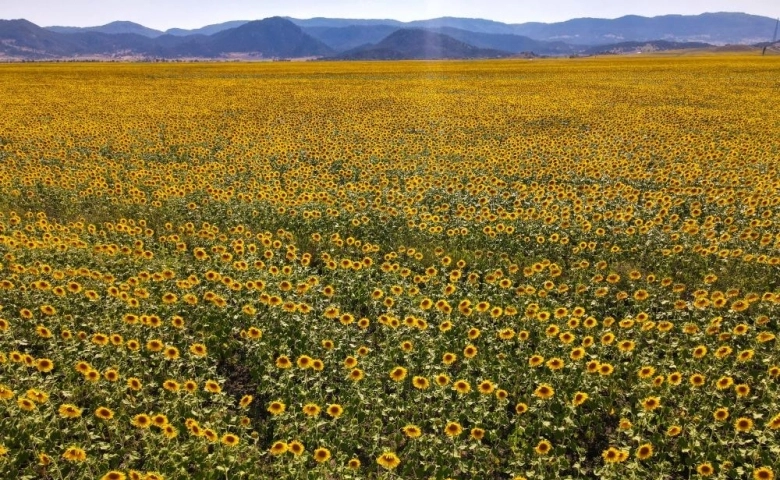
[445, 37]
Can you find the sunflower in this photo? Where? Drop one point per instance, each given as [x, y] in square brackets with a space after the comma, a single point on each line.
[646, 372]
[296, 448]
[388, 460]
[697, 380]
[745, 355]
[141, 420]
[276, 407]
[154, 345]
[743, 424]
[198, 349]
[356, 375]
[412, 431]
[442, 380]
[44, 365]
[579, 398]
[535, 360]
[763, 473]
[104, 413]
[212, 386]
[470, 351]
[705, 469]
[724, 382]
[159, 420]
[26, 404]
[68, 410]
[477, 433]
[486, 387]
[245, 401]
[774, 422]
[544, 391]
[651, 403]
[278, 448]
[74, 454]
[169, 432]
[321, 455]
[304, 362]
[721, 414]
[210, 435]
[461, 386]
[353, 464]
[398, 374]
[453, 429]
[283, 362]
[611, 455]
[229, 440]
[644, 451]
[335, 410]
[421, 383]
[254, 333]
[555, 364]
[543, 447]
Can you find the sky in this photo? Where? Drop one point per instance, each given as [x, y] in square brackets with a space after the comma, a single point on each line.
[164, 14]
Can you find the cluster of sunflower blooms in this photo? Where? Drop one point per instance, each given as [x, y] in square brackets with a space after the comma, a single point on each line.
[408, 287]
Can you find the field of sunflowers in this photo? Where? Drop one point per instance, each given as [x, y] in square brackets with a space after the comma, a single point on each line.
[468, 270]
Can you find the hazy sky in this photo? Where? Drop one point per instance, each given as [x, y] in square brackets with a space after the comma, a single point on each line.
[163, 14]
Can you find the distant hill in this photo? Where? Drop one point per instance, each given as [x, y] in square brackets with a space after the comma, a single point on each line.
[20, 38]
[715, 28]
[374, 38]
[342, 22]
[274, 37]
[207, 30]
[342, 39]
[477, 25]
[111, 28]
[508, 43]
[417, 44]
[644, 47]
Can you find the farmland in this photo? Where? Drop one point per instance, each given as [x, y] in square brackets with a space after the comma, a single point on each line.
[496, 270]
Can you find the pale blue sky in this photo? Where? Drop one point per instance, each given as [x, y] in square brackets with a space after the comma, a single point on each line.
[163, 14]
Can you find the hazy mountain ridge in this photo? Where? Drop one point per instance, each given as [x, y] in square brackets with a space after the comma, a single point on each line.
[716, 28]
[271, 37]
[418, 44]
[112, 28]
[282, 37]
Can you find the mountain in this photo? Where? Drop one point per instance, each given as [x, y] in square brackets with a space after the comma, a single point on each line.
[643, 47]
[715, 28]
[416, 44]
[342, 39]
[341, 22]
[273, 37]
[207, 30]
[23, 39]
[111, 28]
[477, 25]
[508, 43]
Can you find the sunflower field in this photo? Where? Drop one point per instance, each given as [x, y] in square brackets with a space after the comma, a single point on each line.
[397, 270]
